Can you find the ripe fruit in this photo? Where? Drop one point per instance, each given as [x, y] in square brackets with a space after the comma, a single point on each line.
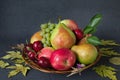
[86, 53]
[62, 37]
[78, 33]
[37, 46]
[46, 31]
[84, 40]
[45, 52]
[31, 55]
[70, 23]
[28, 47]
[62, 59]
[36, 37]
[44, 62]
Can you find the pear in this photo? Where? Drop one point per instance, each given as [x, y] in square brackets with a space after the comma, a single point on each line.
[84, 39]
[62, 37]
[86, 53]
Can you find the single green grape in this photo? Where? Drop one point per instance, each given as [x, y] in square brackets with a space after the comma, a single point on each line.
[48, 42]
[48, 38]
[51, 32]
[43, 40]
[49, 23]
[47, 35]
[51, 26]
[45, 45]
[42, 33]
[47, 30]
[44, 26]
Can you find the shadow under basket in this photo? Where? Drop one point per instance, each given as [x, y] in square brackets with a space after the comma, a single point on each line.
[51, 70]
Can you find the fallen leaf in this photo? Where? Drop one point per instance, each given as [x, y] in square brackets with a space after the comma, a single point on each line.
[115, 60]
[3, 64]
[17, 69]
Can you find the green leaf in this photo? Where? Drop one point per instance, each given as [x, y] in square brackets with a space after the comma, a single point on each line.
[91, 27]
[109, 43]
[115, 60]
[3, 64]
[11, 67]
[18, 61]
[13, 55]
[94, 40]
[95, 20]
[24, 70]
[108, 52]
[106, 71]
[13, 73]
[88, 30]
[17, 69]
[16, 57]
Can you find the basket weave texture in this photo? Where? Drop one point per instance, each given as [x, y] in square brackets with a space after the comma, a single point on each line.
[51, 70]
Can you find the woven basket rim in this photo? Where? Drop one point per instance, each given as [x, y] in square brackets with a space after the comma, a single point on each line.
[50, 70]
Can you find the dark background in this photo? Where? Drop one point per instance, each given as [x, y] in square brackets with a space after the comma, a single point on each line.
[19, 19]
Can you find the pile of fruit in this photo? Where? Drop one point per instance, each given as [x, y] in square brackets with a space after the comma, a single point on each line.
[62, 45]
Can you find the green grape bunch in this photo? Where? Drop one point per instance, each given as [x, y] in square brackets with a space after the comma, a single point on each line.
[46, 31]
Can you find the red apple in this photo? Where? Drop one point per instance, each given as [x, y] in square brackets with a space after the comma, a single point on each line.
[79, 34]
[62, 59]
[70, 23]
[45, 52]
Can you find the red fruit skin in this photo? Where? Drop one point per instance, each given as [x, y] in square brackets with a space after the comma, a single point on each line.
[44, 62]
[70, 23]
[45, 52]
[79, 34]
[31, 55]
[27, 48]
[37, 46]
[62, 59]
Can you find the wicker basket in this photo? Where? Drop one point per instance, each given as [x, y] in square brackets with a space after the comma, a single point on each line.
[50, 70]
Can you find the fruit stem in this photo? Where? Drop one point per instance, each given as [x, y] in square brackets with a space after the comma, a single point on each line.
[59, 18]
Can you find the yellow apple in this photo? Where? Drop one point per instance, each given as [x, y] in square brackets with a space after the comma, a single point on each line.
[36, 37]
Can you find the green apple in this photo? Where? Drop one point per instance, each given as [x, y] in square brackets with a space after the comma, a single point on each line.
[86, 53]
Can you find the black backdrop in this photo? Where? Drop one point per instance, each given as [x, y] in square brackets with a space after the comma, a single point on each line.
[19, 19]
